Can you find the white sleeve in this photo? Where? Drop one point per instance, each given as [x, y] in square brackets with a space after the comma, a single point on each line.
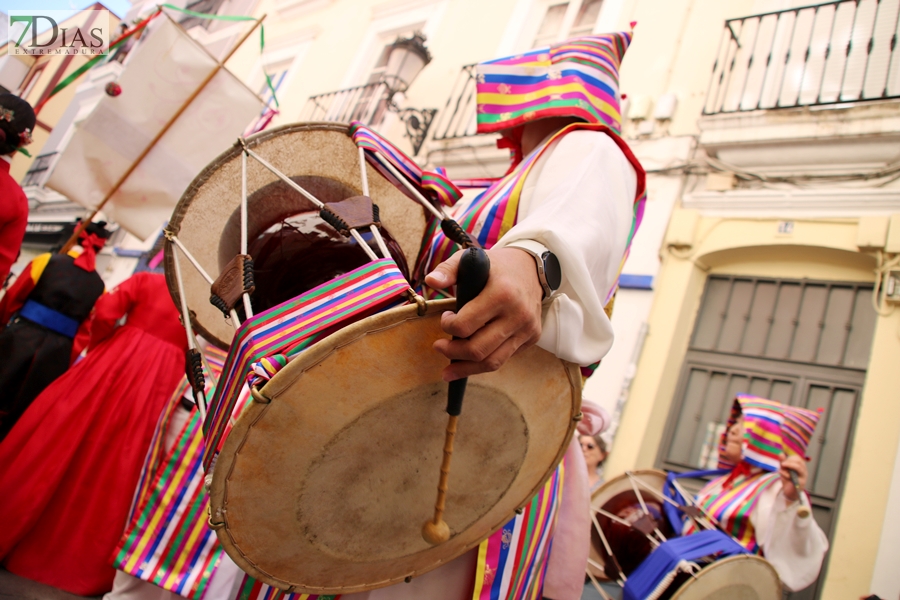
[794, 546]
[578, 203]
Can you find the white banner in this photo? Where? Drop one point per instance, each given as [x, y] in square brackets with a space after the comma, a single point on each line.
[166, 68]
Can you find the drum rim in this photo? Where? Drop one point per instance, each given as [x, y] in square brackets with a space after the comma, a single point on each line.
[293, 370]
[728, 560]
[202, 177]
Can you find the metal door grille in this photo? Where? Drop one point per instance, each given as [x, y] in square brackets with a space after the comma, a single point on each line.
[821, 323]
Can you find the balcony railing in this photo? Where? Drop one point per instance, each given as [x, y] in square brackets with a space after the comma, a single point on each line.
[458, 117]
[369, 104]
[832, 53]
[365, 103]
[39, 171]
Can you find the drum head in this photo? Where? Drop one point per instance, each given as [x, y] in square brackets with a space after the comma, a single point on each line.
[743, 577]
[617, 497]
[323, 159]
[324, 490]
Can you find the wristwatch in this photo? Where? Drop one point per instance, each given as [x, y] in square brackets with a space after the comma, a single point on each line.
[549, 271]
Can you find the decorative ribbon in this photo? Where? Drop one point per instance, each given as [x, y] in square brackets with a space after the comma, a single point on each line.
[434, 183]
[90, 242]
[265, 369]
[294, 325]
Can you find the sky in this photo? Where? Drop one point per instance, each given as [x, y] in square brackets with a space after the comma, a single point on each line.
[119, 7]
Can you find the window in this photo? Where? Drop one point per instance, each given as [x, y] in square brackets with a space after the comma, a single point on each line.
[563, 20]
[799, 342]
[277, 72]
[31, 80]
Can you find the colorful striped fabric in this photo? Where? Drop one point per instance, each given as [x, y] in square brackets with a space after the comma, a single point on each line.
[731, 505]
[513, 561]
[432, 183]
[798, 429]
[494, 212]
[575, 78]
[763, 420]
[252, 589]
[166, 541]
[293, 325]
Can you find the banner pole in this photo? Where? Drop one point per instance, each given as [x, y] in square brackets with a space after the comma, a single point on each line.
[115, 188]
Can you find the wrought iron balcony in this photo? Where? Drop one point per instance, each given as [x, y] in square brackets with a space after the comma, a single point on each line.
[834, 53]
[364, 103]
[368, 104]
[457, 120]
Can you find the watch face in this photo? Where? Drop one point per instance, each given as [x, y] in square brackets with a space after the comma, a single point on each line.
[552, 270]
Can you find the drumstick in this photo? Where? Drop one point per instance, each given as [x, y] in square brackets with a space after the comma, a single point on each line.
[804, 510]
[474, 268]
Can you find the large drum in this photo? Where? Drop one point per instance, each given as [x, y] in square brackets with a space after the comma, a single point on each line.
[324, 479]
[631, 538]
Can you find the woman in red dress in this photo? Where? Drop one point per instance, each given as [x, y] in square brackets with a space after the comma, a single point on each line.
[70, 465]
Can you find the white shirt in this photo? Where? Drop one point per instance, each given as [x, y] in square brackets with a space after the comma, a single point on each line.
[578, 202]
[794, 546]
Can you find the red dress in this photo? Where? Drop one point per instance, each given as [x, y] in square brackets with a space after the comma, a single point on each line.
[13, 219]
[69, 467]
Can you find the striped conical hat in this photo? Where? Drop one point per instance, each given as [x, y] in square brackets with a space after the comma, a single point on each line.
[575, 78]
[763, 420]
[798, 428]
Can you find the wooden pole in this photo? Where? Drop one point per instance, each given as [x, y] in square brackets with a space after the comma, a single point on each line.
[115, 188]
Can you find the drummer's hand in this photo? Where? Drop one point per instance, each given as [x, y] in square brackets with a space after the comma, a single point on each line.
[797, 464]
[504, 318]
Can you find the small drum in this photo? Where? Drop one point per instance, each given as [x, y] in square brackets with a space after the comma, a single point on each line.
[628, 547]
[322, 483]
[633, 544]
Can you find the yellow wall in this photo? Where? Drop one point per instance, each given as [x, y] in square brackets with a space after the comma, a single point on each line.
[53, 110]
[817, 249]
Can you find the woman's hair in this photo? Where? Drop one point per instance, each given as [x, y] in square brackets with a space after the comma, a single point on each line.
[601, 443]
[17, 121]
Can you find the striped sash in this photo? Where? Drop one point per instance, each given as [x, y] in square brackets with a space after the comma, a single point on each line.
[732, 505]
[292, 326]
[494, 212]
[167, 542]
[513, 561]
[252, 589]
[433, 183]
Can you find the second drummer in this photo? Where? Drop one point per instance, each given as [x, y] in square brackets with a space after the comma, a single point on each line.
[756, 501]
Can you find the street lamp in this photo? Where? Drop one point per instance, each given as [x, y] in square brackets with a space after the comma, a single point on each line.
[407, 57]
